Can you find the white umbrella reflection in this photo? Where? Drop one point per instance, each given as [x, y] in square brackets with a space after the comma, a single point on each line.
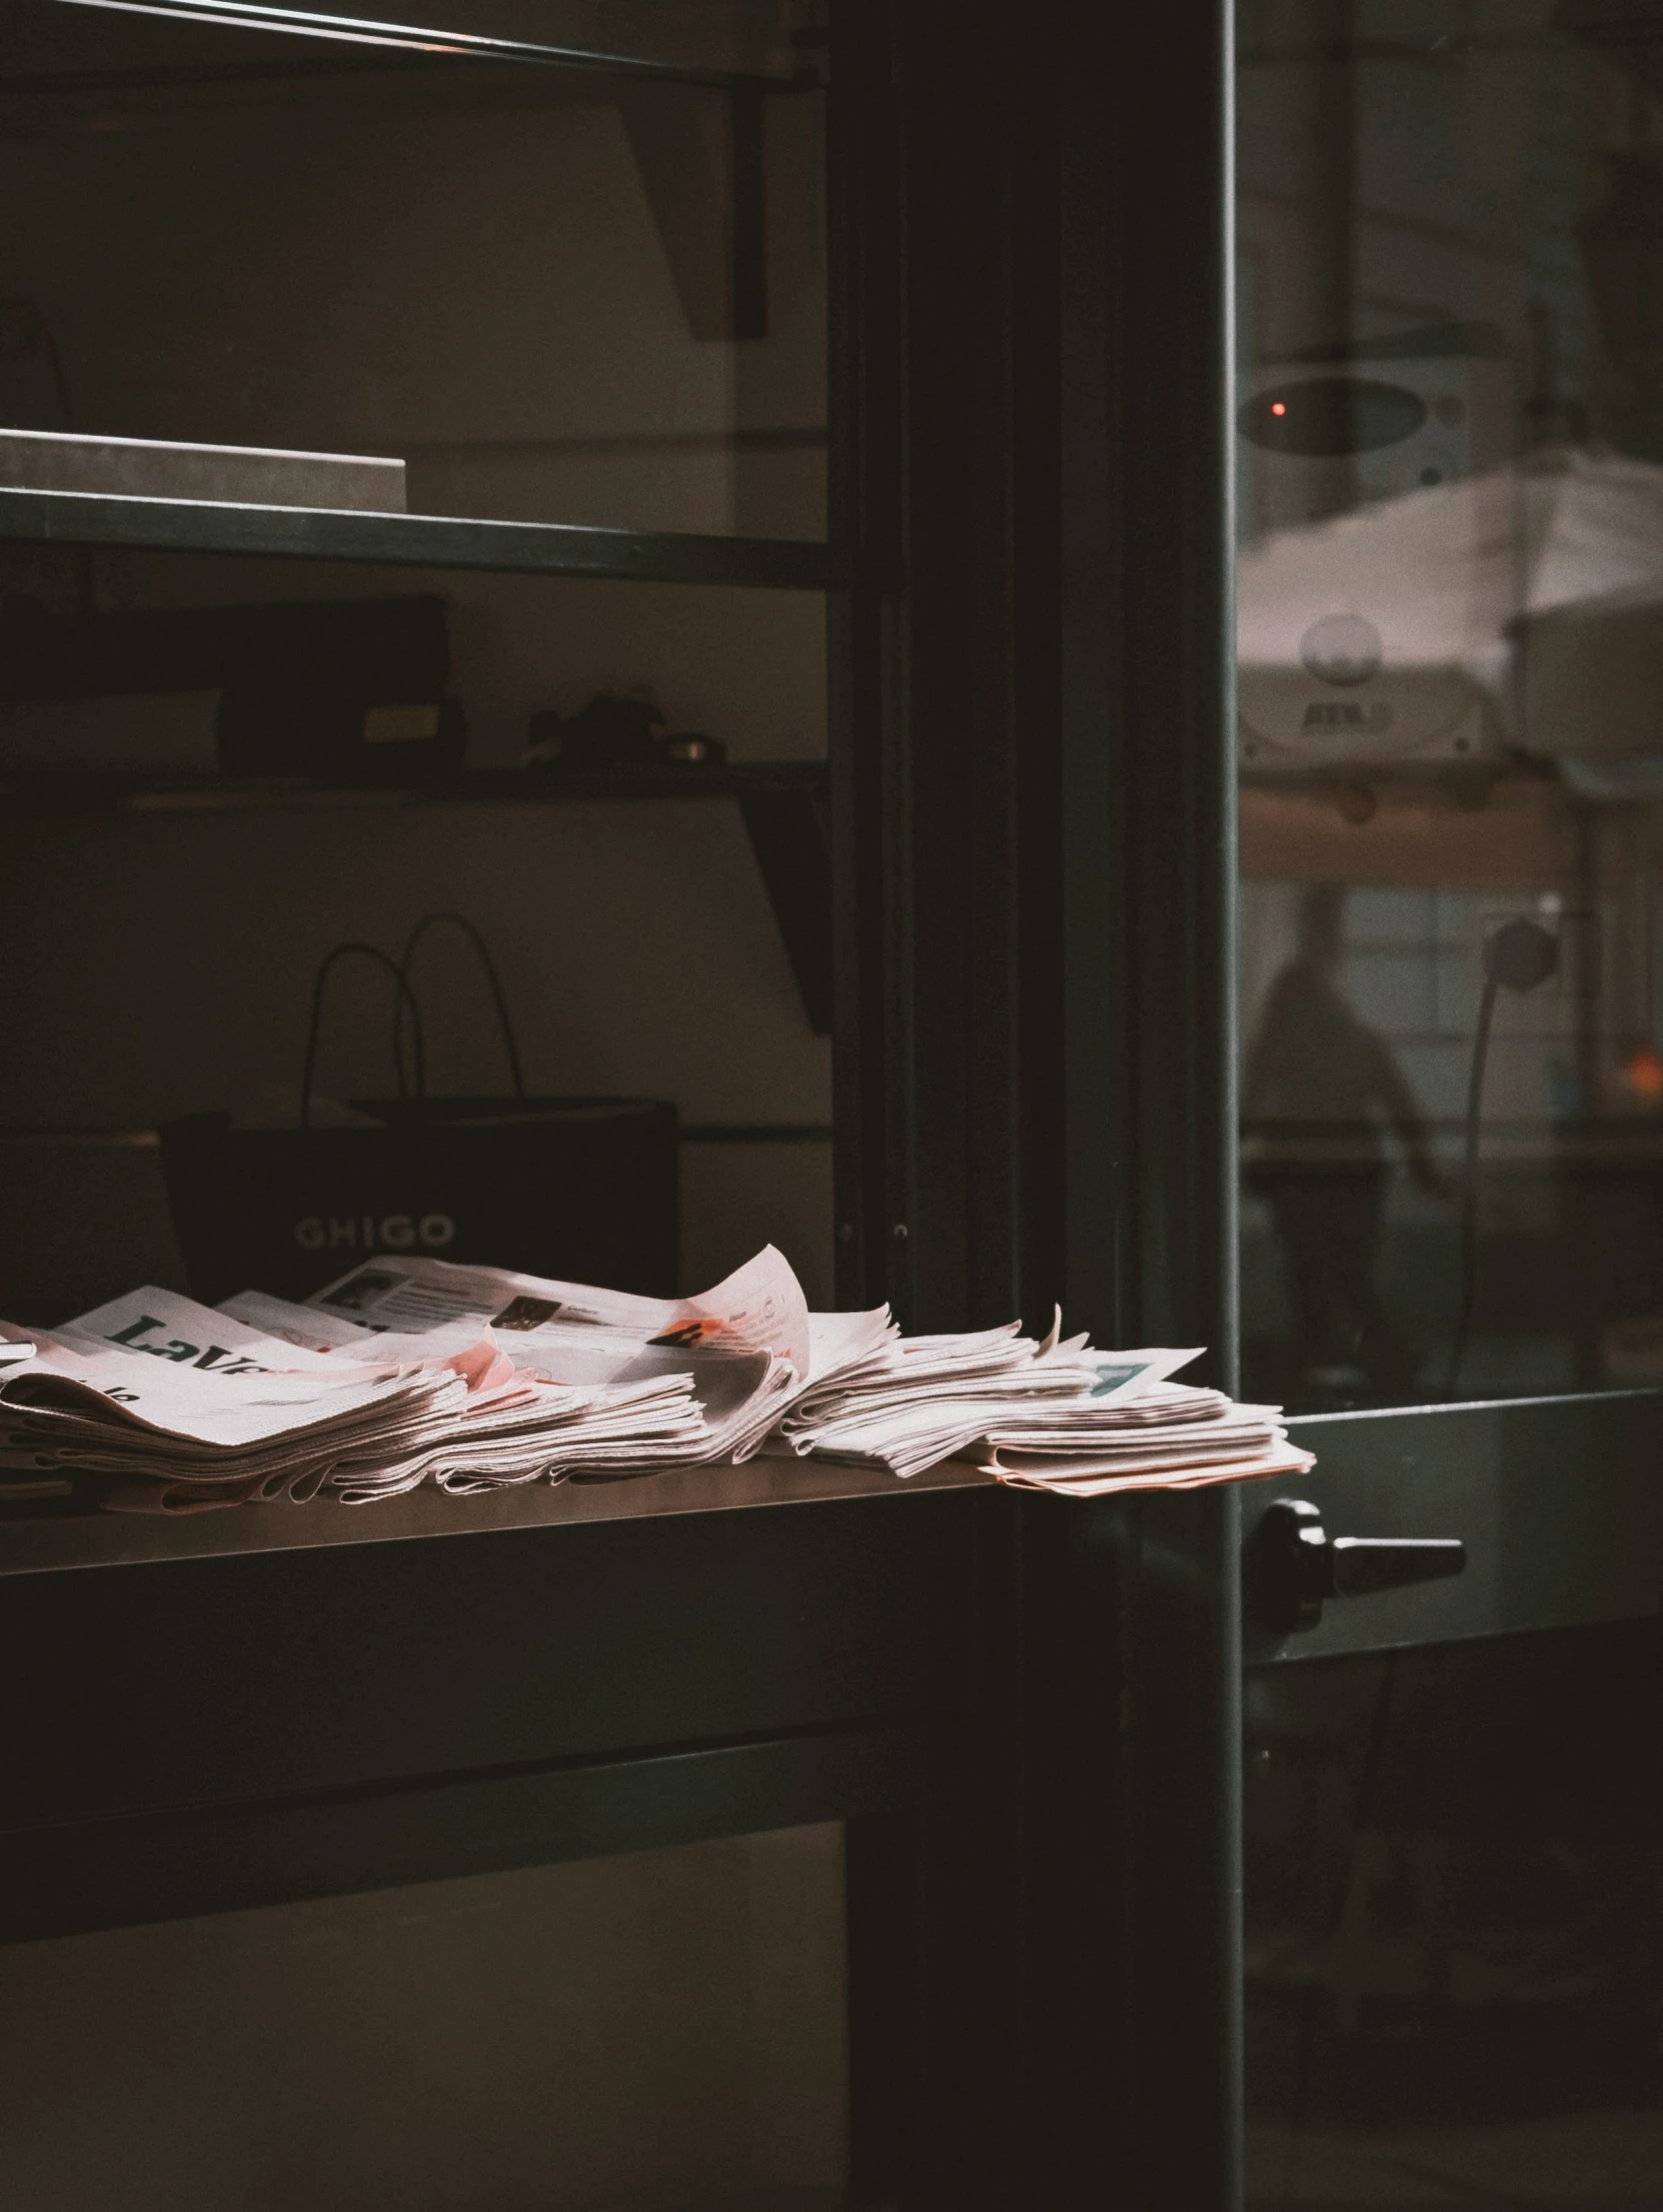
[1520, 608]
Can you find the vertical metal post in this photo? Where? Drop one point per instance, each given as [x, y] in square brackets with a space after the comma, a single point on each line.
[1033, 769]
[866, 500]
[1175, 365]
[1131, 1660]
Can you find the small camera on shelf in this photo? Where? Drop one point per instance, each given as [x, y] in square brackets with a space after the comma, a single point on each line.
[615, 732]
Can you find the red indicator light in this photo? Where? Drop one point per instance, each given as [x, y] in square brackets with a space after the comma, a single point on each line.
[1278, 406]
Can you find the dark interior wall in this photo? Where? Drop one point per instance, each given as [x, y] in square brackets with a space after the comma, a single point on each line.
[620, 2035]
[462, 269]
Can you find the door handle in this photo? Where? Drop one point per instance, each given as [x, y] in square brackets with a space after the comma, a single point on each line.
[1294, 1565]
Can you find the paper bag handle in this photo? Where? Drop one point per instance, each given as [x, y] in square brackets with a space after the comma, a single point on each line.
[493, 980]
[406, 1000]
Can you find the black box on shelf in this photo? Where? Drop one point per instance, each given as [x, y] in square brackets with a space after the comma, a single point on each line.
[348, 691]
[372, 650]
[137, 735]
[273, 733]
[585, 1189]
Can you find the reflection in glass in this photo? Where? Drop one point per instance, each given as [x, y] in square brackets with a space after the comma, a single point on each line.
[1320, 1082]
[1455, 1928]
[1450, 478]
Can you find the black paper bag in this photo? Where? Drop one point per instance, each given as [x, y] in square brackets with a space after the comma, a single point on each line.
[581, 1188]
[585, 1189]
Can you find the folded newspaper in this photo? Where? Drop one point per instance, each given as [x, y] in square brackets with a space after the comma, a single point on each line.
[1047, 1416]
[410, 1370]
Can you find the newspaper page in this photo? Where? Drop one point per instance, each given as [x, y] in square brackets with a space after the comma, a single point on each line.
[412, 1370]
[759, 1307]
[177, 1407]
[746, 1343]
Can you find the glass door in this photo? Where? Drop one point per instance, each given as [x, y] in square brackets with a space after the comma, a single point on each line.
[1449, 438]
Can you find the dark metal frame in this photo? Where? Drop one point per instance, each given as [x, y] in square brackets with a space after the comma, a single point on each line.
[1033, 768]
[481, 1700]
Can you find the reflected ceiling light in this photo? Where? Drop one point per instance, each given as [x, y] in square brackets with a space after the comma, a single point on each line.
[232, 15]
[253, 15]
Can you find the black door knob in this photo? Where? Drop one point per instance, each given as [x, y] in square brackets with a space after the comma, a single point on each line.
[1293, 1564]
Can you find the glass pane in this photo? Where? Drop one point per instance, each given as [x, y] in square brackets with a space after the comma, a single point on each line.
[532, 293]
[1455, 1927]
[1450, 445]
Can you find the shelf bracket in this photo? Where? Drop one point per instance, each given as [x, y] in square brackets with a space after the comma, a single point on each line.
[790, 835]
[700, 159]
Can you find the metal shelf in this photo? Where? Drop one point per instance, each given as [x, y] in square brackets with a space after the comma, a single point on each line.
[416, 541]
[34, 795]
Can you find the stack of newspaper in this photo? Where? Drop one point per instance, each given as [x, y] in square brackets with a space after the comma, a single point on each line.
[410, 1370]
[25, 1486]
[1046, 1416]
[407, 1372]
